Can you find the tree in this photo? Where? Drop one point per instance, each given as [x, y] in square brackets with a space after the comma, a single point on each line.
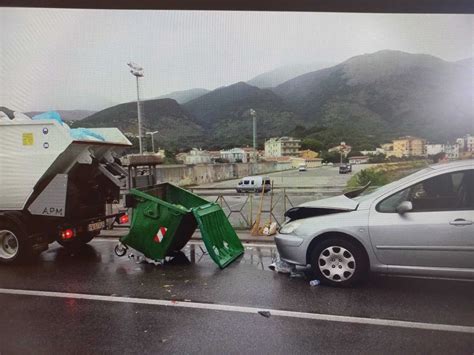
[378, 158]
[354, 153]
[331, 157]
[311, 143]
[170, 157]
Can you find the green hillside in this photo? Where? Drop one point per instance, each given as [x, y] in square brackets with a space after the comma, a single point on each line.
[176, 127]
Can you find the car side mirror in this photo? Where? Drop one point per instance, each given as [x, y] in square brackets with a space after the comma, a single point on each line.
[404, 207]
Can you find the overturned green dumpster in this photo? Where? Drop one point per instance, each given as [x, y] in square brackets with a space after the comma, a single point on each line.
[165, 217]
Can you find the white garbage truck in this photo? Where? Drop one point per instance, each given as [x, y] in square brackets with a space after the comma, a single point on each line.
[55, 183]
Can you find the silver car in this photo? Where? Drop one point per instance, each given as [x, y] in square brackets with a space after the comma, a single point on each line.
[422, 224]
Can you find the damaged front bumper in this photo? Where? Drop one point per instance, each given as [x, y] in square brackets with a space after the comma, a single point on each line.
[291, 248]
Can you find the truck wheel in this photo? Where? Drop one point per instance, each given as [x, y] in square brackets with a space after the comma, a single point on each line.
[13, 243]
[78, 241]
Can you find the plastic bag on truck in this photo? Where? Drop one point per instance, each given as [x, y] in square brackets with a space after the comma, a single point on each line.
[50, 115]
[86, 134]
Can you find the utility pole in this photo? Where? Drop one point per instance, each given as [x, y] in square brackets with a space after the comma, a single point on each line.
[137, 71]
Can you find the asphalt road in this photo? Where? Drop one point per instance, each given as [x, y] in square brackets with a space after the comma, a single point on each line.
[324, 176]
[92, 301]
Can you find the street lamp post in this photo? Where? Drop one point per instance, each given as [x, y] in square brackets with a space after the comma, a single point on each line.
[152, 134]
[254, 117]
[137, 71]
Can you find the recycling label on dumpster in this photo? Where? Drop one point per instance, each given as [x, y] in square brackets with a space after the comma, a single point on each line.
[28, 139]
[160, 234]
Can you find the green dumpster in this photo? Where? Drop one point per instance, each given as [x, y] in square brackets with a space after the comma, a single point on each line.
[165, 217]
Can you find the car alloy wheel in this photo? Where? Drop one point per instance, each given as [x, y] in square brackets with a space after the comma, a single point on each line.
[336, 263]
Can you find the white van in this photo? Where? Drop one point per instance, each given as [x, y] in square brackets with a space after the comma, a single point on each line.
[254, 184]
[302, 167]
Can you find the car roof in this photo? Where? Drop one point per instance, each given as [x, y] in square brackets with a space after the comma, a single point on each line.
[453, 164]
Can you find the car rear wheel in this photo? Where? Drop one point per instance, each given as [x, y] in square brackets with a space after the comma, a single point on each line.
[339, 262]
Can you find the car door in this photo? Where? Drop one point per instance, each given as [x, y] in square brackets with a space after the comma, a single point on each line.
[437, 233]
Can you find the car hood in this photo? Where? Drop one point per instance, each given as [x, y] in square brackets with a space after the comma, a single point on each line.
[341, 203]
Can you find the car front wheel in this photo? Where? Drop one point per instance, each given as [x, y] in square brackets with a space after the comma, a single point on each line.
[339, 262]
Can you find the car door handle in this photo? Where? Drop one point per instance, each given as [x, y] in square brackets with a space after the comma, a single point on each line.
[460, 222]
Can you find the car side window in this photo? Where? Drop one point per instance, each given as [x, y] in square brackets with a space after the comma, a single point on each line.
[246, 182]
[389, 205]
[252, 182]
[444, 192]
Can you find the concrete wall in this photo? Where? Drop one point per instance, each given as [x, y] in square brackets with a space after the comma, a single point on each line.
[184, 175]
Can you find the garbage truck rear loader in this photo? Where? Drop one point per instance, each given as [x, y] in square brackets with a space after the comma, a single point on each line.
[54, 186]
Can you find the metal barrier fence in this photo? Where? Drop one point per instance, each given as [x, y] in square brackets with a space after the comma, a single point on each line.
[242, 208]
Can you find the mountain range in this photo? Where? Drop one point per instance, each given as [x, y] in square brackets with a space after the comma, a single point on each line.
[67, 115]
[184, 96]
[177, 128]
[365, 100]
[279, 75]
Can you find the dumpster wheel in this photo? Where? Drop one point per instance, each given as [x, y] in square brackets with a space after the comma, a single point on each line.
[120, 249]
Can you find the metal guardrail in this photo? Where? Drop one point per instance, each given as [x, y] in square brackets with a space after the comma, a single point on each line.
[242, 208]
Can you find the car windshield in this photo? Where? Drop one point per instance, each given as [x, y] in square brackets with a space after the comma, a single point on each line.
[372, 191]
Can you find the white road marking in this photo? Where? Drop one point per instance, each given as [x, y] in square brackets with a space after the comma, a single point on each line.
[243, 309]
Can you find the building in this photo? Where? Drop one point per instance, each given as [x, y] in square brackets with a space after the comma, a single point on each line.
[181, 157]
[409, 147]
[373, 152]
[282, 147]
[296, 162]
[234, 155]
[341, 148]
[388, 149]
[361, 159]
[433, 149]
[308, 154]
[451, 150]
[197, 156]
[466, 143]
[252, 155]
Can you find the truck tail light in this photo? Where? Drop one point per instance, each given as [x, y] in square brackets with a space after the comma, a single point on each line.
[67, 234]
[123, 219]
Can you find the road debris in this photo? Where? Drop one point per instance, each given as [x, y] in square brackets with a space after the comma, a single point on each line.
[314, 283]
[282, 267]
[266, 314]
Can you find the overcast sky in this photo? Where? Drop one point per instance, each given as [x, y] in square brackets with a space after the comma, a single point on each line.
[76, 59]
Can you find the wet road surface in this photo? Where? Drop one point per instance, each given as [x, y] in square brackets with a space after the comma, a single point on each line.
[190, 306]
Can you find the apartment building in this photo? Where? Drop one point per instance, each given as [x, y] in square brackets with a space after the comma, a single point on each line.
[409, 147]
[282, 147]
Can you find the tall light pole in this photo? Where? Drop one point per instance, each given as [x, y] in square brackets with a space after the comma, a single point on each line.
[137, 71]
[254, 117]
[152, 139]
